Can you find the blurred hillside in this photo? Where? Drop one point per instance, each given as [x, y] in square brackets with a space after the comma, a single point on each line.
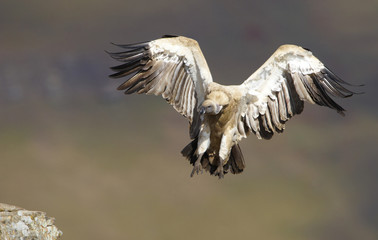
[55, 50]
[107, 166]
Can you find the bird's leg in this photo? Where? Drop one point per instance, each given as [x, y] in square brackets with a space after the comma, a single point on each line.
[220, 172]
[197, 166]
[224, 152]
[203, 145]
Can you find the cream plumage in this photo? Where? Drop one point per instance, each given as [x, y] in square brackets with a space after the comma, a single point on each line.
[220, 116]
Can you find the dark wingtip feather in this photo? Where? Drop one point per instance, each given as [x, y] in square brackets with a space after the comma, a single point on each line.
[341, 112]
[326, 70]
[338, 81]
[357, 93]
[307, 49]
[116, 75]
[169, 36]
[132, 45]
[319, 94]
[112, 54]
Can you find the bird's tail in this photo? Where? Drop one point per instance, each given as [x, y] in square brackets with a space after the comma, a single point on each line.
[236, 160]
[235, 163]
[189, 151]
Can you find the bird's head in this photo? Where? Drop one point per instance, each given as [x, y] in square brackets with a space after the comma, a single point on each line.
[214, 103]
[210, 107]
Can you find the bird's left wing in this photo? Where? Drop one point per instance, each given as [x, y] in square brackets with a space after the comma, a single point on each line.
[277, 90]
[173, 67]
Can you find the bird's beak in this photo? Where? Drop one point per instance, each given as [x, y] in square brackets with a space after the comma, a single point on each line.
[202, 110]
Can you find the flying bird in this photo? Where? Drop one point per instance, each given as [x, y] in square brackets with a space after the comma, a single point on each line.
[221, 116]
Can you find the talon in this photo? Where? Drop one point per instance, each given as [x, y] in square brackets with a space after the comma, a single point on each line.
[197, 168]
[220, 172]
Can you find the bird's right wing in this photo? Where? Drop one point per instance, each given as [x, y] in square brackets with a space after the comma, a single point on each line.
[173, 67]
[277, 90]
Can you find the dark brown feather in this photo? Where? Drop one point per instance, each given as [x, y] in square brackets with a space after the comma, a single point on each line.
[236, 160]
[133, 45]
[296, 102]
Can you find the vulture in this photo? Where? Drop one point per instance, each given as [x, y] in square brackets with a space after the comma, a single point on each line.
[221, 116]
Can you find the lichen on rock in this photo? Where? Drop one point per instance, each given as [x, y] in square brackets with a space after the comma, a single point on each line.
[18, 223]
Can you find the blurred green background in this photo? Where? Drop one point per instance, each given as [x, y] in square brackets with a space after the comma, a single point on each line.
[108, 166]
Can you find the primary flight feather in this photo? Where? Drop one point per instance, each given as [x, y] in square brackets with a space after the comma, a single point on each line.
[220, 116]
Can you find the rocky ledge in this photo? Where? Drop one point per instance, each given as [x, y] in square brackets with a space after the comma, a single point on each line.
[18, 223]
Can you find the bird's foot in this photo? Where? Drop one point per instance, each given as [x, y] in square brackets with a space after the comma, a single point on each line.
[197, 168]
[219, 172]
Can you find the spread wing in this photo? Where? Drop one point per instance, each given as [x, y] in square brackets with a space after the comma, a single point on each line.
[173, 67]
[277, 90]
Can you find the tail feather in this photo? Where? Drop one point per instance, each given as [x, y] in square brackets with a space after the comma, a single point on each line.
[189, 151]
[236, 160]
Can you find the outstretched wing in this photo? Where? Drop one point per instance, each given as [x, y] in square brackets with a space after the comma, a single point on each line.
[173, 67]
[277, 90]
